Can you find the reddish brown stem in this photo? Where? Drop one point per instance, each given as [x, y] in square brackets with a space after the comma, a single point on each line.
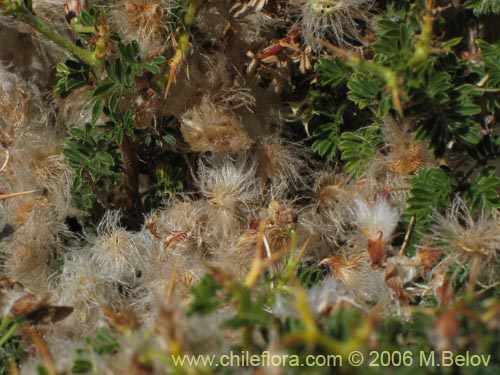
[278, 47]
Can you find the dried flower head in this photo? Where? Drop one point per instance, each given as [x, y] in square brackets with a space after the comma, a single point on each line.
[141, 20]
[280, 164]
[404, 155]
[332, 19]
[228, 184]
[405, 158]
[28, 263]
[32, 248]
[470, 242]
[351, 271]
[230, 188]
[331, 189]
[354, 271]
[209, 127]
[181, 215]
[330, 214]
[281, 215]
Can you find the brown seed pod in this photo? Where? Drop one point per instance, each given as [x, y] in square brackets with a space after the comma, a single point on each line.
[376, 250]
[394, 282]
[37, 310]
[30, 306]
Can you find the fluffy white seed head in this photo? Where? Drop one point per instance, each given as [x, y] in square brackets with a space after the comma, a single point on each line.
[331, 210]
[80, 287]
[281, 165]
[378, 218]
[230, 189]
[141, 20]
[472, 242]
[210, 127]
[115, 253]
[460, 230]
[227, 184]
[30, 250]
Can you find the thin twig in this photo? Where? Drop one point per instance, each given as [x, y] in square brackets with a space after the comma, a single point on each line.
[407, 236]
[489, 287]
[12, 195]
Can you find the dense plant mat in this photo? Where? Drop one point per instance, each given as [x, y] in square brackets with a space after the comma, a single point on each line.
[254, 186]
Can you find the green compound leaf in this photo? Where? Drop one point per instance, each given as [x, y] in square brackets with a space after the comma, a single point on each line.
[334, 73]
[328, 143]
[484, 191]
[72, 75]
[365, 88]
[483, 7]
[431, 189]
[358, 148]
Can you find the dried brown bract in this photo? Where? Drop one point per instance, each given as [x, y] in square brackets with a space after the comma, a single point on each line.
[377, 220]
[393, 281]
[73, 9]
[18, 302]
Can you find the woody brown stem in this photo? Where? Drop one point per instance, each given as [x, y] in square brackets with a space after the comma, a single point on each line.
[131, 174]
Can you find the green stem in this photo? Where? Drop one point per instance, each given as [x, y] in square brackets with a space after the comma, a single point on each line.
[481, 89]
[191, 12]
[82, 29]
[247, 340]
[388, 75]
[37, 23]
[182, 45]
[4, 323]
[423, 47]
[293, 246]
[9, 333]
